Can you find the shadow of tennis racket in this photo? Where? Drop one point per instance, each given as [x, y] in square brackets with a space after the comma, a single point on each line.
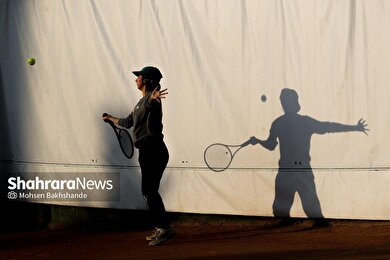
[218, 156]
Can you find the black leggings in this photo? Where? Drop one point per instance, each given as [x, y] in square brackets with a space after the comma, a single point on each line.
[153, 158]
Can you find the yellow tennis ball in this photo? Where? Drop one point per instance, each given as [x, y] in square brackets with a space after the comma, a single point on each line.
[31, 61]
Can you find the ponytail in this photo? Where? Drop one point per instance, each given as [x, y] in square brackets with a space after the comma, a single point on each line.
[152, 84]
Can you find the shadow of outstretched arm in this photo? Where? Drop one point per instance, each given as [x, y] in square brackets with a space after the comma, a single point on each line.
[331, 127]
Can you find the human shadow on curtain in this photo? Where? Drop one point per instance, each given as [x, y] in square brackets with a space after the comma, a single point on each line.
[293, 133]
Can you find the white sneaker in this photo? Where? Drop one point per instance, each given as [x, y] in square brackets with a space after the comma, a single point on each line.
[162, 236]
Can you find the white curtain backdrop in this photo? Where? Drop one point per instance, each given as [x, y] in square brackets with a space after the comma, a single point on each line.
[218, 58]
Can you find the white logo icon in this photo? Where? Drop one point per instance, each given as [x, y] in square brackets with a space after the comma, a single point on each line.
[12, 195]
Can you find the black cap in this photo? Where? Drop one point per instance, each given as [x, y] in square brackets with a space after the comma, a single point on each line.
[149, 72]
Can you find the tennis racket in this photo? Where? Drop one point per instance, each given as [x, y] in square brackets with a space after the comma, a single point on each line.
[218, 157]
[124, 139]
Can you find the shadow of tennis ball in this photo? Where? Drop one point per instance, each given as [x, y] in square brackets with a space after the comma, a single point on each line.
[263, 98]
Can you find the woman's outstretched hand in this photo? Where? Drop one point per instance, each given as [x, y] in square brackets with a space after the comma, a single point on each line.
[158, 94]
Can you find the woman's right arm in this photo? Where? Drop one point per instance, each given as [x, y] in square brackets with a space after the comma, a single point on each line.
[125, 122]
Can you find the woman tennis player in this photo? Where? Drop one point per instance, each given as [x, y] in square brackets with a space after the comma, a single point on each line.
[146, 120]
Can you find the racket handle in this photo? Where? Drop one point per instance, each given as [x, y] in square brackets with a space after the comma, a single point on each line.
[246, 143]
[105, 120]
